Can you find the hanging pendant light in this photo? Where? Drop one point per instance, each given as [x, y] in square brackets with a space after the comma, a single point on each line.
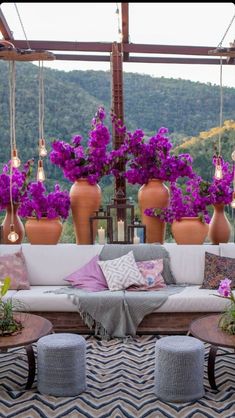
[15, 161]
[41, 143]
[218, 159]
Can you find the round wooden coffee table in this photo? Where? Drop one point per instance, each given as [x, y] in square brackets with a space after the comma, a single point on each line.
[207, 330]
[34, 327]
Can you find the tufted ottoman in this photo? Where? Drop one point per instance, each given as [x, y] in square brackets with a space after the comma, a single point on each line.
[61, 364]
[179, 369]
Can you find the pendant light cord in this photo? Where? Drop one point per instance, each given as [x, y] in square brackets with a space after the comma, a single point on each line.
[12, 74]
[41, 101]
[22, 26]
[221, 105]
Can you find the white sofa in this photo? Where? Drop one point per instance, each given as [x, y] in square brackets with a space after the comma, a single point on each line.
[48, 265]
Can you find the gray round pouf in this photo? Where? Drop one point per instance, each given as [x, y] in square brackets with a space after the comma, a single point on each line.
[61, 364]
[179, 369]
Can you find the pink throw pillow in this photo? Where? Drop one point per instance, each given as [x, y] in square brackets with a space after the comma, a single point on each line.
[151, 271]
[89, 277]
[14, 266]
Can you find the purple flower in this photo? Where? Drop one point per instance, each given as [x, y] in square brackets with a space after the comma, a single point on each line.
[91, 162]
[225, 288]
[37, 202]
[20, 180]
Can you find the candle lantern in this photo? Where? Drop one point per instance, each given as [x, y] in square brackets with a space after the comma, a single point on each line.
[121, 211]
[136, 233]
[104, 231]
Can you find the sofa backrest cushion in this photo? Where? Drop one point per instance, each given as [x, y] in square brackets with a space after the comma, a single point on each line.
[88, 277]
[218, 268]
[50, 264]
[227, 250]
[188, 261]
[141, 252]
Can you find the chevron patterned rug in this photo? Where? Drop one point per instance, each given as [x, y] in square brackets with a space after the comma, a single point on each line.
[120, 380]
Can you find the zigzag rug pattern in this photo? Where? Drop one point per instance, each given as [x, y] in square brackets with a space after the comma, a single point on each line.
[120, 380]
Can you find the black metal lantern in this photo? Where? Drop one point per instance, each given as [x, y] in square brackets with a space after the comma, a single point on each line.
[104, 232]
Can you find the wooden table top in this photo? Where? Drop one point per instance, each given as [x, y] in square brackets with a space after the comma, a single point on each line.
[34, 327]
[206, 329]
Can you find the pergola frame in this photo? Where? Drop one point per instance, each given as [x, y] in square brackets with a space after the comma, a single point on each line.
[117, 53]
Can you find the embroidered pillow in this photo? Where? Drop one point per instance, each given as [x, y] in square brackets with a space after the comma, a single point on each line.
[89, 277]
[121, 272]
[218, 268]
[14, 266]
[151, 271]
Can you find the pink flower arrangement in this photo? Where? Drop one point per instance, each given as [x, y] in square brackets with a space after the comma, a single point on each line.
[227, 320]
[89, 162]
[38, 203]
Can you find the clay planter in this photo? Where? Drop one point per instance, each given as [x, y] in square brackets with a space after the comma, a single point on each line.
[189, 230]
[154, 194]
[43, 231]
[85, 199]
[18, 226]
[219, 227]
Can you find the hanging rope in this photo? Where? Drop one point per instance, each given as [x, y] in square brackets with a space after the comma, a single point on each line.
[229, 26]
[41, 101]
[22, 26]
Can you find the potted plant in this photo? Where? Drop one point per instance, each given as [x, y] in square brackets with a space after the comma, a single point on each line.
[14, 185]
[84, 166]
[221, 194]
[187, 211]
[8, 324]
[44, 212]
[149, 162]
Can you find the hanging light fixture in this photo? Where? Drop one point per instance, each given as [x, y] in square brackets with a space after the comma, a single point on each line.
[41, 144]
[218, 159]
[13, 236]
[12, 77]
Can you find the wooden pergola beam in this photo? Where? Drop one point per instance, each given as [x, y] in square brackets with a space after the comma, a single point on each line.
[4, 28]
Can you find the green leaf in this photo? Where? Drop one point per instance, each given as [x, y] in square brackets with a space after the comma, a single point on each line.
[6, 285]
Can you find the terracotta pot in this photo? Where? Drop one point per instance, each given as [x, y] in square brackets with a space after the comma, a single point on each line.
[18, 226]
[43, 231]
[189, 230]
[219, 227]
[85, 199]
[154, 194]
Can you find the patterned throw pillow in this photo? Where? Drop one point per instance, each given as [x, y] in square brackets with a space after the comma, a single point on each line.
[89, 277]
[217, 268]
[121, 272]
[14, 266]
[151, 271]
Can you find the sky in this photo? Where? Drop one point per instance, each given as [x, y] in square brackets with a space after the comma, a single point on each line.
[195, 24]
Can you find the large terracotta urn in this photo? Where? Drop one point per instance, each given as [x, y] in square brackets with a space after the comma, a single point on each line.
[189, 230]
[154, 194]
[18, 225]
[43, 231]
[85, 199]
[219, 227]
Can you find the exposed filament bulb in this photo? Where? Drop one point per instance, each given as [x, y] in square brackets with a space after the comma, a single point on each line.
[13, 236]
[218, 169]
[40, 173]
[42, 148]
[15, 159]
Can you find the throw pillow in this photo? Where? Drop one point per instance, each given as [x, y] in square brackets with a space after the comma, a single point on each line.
[142, 252]
[217, 268]
[14, 266]
[89, 277]
[121, 272]
[151, 271]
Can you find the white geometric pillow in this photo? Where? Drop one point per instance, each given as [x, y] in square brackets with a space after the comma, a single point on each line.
[121, 272]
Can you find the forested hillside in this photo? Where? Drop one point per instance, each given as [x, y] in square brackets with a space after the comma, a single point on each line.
[71, 98]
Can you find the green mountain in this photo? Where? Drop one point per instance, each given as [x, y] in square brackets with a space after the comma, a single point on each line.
[71, 99]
